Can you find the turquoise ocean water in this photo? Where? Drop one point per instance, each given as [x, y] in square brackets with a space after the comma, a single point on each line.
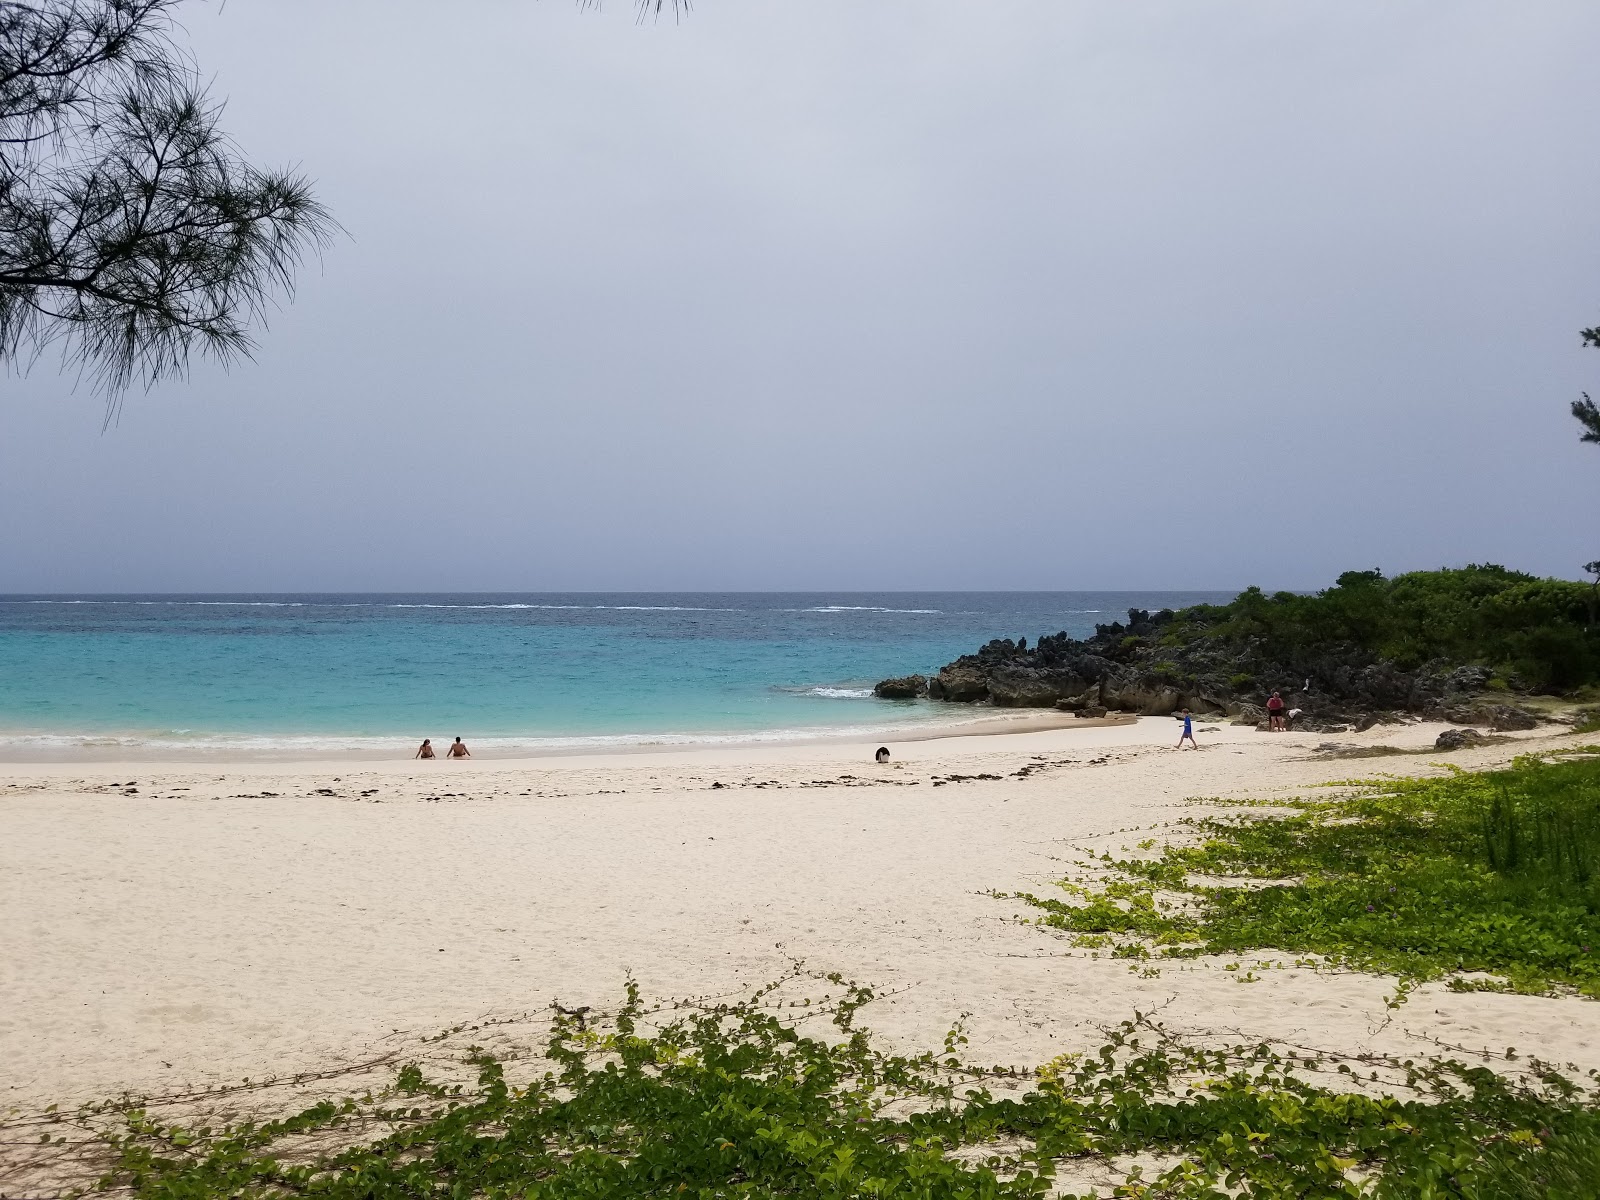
[283, 675]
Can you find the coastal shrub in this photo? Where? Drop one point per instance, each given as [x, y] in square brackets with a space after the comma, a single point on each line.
[1242, 682]
[1539, 630]
[730, 1101]
[1495, 871]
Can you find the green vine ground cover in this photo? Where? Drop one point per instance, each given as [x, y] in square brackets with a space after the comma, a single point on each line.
[730, 1101]
[1495, 871]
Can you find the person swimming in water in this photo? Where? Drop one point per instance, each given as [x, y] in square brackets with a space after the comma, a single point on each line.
[1188, 730]
[458, 749]
[425, 750]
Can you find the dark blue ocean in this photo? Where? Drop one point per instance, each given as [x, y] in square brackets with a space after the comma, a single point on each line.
[289, 674]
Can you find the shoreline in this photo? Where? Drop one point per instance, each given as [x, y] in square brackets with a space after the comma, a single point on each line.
[89, 749]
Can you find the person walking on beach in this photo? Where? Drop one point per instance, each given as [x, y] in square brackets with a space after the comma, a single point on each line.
[459, 750]
[1275, 707]
[425, 750]
[1188, 730]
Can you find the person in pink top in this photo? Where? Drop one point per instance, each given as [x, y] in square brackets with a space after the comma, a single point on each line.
[1275, 707]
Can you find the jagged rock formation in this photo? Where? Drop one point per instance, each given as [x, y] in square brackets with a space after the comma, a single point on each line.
[1143, 666]
[908, 687]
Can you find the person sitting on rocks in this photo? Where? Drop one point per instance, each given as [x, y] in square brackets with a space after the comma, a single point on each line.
[1275, 707]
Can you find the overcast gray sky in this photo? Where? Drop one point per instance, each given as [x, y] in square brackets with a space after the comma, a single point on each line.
[893, 294]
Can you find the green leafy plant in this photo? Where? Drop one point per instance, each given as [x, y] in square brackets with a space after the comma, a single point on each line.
[1489, 871]
[731, 1102]
[1539, 630]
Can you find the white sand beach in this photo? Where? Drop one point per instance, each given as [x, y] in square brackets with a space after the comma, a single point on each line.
[169, 925]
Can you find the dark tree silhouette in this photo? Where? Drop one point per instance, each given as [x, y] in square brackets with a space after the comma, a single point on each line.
[646, 8]
[132, 231]
[1585, 410]
[1589, 417]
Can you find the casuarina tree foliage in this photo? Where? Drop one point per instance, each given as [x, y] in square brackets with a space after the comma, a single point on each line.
[132, 230]
[1588, 415]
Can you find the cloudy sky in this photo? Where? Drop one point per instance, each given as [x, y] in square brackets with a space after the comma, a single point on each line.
[895, 294]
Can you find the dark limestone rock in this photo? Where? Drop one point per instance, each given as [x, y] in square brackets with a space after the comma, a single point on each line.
[1135, 692]
[1250, 714]
[907, 687]
[1012, 686]
[1323, 722]
[1497, 717]
[1458, 739]
[1138, 666]
[1468, 679]
[1506, 717]
[959, 682]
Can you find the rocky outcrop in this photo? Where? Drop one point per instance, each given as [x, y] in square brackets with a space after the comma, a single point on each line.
[1148, 665]
[907, 687]
[1092, 711]
[1458, 739]
[958, 683]
[1497, 717]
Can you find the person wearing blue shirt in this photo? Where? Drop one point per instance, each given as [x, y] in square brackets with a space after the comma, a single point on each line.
[1188, 730]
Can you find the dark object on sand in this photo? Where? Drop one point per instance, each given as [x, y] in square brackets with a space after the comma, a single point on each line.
[1458, 739]
[882, 755]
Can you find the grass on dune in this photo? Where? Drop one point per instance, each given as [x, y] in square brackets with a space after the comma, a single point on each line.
[1494, 871]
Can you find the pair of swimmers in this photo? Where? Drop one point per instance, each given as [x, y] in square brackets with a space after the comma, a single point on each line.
[458, 749]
